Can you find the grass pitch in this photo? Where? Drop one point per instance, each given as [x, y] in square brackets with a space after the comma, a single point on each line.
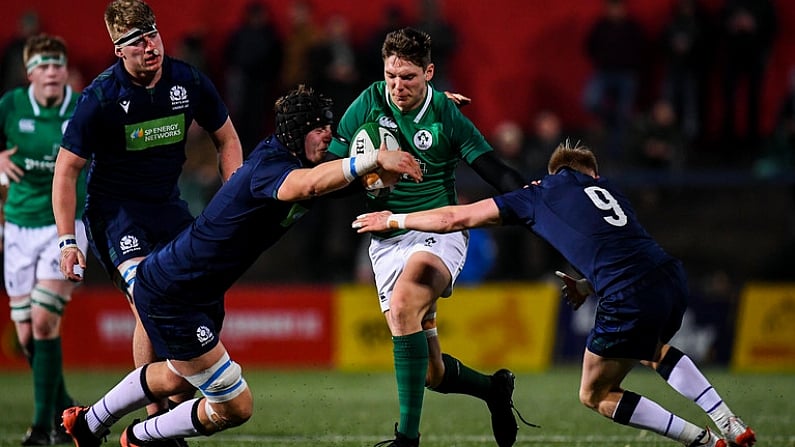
[328, 408]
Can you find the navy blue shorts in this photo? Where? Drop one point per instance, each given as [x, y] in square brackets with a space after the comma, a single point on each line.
[121, 231]
[179, 329]
[631, 322]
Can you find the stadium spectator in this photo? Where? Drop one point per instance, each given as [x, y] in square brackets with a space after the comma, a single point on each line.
[547, 132]
[132, 123]
[779, 155]
[686, 49]
[749, 30]
[253, 57]
[31, 125]
[12, 68]
[334, 63]
[413, 269]
[657, 142]
[302, 36]
[445, 41]
[371, 65]
[642, 291]
[180, 288]
[615, 46]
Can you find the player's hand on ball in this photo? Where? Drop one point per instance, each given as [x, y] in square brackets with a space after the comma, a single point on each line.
[575, 291]
[398, 163]
[369, 222]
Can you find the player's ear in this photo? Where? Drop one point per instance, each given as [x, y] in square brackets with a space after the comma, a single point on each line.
[429, 72]
[119, 53]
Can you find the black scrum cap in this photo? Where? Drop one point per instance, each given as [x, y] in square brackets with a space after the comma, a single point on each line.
[298, 113]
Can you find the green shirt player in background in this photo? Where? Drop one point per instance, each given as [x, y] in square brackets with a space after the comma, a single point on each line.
[413, 269]
[32, 121]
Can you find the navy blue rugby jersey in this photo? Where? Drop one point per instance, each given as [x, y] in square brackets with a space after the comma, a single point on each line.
[590, 223]
[134, 136]
[243, 219]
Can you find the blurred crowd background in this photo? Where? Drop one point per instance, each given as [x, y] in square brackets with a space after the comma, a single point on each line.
[689, 105]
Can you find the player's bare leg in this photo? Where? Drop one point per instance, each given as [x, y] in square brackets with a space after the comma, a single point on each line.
[600, 390]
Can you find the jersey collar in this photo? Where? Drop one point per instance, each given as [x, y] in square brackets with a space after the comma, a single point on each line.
[423, 110]
[67, 98]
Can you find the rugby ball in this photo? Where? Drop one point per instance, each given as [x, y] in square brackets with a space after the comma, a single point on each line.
[367, 139]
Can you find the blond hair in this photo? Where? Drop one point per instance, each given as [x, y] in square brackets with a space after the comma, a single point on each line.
[577, 157]
[123, 15]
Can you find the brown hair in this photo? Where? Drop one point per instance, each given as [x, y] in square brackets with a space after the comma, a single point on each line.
[122, 15]
[410, 44]
[43, 44]
[577, 157]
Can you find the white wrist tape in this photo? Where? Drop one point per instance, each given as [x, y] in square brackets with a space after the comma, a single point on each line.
[67, 241]
[353, 167]
[396, 222]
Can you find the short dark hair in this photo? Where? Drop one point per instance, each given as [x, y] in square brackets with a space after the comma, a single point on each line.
[410, 44]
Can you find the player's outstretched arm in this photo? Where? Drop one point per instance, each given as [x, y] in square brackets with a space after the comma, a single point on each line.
[301, 184]
[446, 219]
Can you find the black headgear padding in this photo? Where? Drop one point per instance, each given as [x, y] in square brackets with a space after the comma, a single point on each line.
[298, 113]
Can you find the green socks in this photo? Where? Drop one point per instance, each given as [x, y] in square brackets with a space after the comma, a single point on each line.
[49, 391]
[461, 379]
[411, 366]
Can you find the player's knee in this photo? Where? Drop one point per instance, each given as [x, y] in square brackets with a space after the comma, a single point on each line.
[47, 306]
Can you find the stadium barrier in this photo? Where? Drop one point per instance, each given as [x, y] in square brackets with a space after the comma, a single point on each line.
[519, 325]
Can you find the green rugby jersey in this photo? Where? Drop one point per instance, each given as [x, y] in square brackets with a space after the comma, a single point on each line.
[436, 133]
[36, 131]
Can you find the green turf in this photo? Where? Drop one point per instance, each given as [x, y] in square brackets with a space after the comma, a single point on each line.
[324, 408]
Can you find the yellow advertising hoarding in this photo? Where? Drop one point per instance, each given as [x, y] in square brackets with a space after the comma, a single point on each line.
[487, 327]
[765, 333]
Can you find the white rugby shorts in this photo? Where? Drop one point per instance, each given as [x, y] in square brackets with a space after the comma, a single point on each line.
[32, 254]
[389, 257]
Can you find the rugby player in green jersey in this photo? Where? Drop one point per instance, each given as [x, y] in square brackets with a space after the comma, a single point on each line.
[32, 120]
[413, 268]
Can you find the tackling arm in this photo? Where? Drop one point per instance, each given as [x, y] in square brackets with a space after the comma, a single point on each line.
[301, 184]
[483, 213]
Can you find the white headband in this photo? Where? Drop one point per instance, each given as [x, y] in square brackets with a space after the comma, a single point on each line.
[45, 59]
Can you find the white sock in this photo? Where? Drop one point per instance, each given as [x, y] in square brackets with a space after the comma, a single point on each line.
[649, 415]
[127, 396]
[688, 381]
[176, 423]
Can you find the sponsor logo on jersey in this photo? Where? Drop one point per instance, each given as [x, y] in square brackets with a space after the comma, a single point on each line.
[423, 140]
[429, 242]
[179, 97]
[154, 133]
[204, 335]
[27, 125]
[128, 243]
[45, 165]
[125, 105]
[388, 122]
